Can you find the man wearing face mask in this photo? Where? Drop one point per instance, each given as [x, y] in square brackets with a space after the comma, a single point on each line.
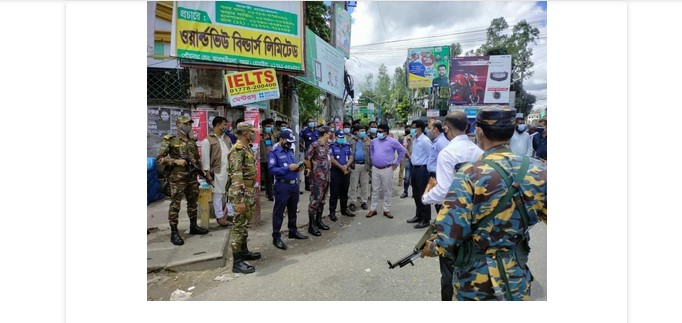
[265, 147]
[309, 135]
[458, 151]
[282, 164]
[372, 129]
[406, 166]
[214, 151]
[382, 151]
[342, 159]
[173, 150]
[520, 142]
[318, 166]
[242, 193]
[439, 142]
[421, 149]
[359, 176]
[540, 140]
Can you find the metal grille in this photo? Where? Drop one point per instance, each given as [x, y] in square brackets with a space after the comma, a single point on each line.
[167, 85]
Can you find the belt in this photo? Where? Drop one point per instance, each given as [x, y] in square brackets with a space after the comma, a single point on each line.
[288, 181]
[360, 163]
[432, 174]
[417, 166]
[387, 166]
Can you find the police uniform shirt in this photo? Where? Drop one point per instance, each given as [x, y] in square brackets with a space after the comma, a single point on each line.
[309, 136]
[341, 152]
[278, 164]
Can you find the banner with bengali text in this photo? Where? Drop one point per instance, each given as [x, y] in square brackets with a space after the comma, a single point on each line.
[260, 34]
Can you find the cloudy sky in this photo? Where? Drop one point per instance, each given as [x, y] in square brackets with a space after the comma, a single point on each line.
[398, 26]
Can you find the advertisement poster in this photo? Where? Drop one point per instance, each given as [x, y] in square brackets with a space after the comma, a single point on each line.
[471, 117]
[343, 24]
[261, 34]
[324, 65]
[200, 125]
[251, 86]
[480, 80]
[161, 119]
[432, 113]
[428, 66]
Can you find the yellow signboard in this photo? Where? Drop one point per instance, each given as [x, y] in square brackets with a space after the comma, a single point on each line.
[252, 86]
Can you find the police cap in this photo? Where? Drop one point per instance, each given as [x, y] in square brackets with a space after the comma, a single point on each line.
[340, 134]
[288, 135]
[496, 116]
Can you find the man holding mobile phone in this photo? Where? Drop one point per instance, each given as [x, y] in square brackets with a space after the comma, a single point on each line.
[282, 165]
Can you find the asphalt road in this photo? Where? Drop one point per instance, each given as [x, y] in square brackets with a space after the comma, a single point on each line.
[348, 263]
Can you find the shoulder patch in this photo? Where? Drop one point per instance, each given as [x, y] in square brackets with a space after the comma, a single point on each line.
[168, 137]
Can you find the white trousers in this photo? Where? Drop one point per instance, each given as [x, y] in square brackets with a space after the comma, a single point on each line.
[382, 180]
[358, 176]
[218, 206]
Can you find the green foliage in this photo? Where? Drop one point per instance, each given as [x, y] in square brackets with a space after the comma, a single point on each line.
[307, 101]
[455, 50]
[318, 17]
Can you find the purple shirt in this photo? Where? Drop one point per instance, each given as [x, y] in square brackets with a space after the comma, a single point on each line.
[383, 152]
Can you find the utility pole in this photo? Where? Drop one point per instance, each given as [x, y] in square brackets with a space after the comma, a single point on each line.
[335, 107]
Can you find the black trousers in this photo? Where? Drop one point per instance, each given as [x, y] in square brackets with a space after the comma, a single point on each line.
[338, 189]
[446, 270]
[420, 178]
[437, 206]
[286, 196]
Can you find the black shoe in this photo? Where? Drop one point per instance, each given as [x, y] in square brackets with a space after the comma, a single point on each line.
[413, 220]
[349, 212]
[297, 235]
[364, 206]
[404, 195]
[195, 229]
[307, 188]
[352, 208]
[248, 255]
[332, 216]
[301, 193]
[240, 266]
[175, 237]
[319, 223]
[279, 243]
[270, 198]
[312, 228]
[421, 225]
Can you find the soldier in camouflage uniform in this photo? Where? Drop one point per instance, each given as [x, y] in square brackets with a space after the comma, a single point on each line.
[242, 193]
[174, 150]
[318, 166]
[484, 228]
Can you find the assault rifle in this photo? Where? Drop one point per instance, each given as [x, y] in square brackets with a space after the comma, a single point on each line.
[191, 168]
[417, 250]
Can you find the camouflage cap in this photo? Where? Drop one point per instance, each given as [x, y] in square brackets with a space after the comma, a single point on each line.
[244, 126]
[497, 116]
[184, 119]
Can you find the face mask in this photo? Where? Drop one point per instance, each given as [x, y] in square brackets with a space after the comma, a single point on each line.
[341, 140]
[252, 137]
[362, 135]
[311, 124]
[381, 135]
[187, 129]
[429, 134]
[540, 130]
[287, 145]
[268, 129]
[413, 132]
[373, 130]
[521, 128]
[407, 132]
[268, 142]
[346, 130]
[282, 128]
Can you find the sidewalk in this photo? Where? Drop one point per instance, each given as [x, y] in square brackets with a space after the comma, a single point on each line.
[212, 250]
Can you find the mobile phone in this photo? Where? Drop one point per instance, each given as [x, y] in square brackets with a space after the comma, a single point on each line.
[300, 164]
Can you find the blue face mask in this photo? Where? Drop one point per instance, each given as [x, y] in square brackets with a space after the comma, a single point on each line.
[311, 124]
[373, 130]
[521, 127]
[362, 134]
[268, 142]
[346, 130]
[341, 140]
[413, 132]
[381, 135]
[268, 129]
[282, 128]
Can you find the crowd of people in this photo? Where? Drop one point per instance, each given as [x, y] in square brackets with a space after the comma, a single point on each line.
[466, 180]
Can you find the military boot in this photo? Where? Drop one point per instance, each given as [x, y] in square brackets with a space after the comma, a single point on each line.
[332, 216]
[196, 229]
[176, 239]
[312, 228]
[318, 221]
[248, 255]
[240, 266]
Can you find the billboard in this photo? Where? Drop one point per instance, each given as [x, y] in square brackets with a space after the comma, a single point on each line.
[480, 80]
[343, 23]
[251, 86]
[324, 65]
[428, 66]
[261, 34]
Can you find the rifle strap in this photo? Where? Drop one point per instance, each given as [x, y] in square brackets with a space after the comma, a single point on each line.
[514, 190]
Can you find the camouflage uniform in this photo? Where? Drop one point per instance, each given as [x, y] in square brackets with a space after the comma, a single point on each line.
[242, 190]
[475, 191]
[318, 153]
[174, 147]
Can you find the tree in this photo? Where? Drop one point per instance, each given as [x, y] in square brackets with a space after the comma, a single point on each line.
[399, 94]
[455, 50]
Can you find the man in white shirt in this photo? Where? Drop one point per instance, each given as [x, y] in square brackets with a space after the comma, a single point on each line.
[214, 151]
[520, 143]
[460, 150]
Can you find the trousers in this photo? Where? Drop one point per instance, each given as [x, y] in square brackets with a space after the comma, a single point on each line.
[339, 190]
[286, 196]
[180, 186]
[420, 177]
[382, 181]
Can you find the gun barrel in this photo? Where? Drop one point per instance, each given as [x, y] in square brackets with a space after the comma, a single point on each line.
[405, 260]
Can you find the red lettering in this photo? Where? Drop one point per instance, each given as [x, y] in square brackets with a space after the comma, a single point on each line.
[248, 81]
[239, 80]
[258, 74]
[229, 81]
[269, 77]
